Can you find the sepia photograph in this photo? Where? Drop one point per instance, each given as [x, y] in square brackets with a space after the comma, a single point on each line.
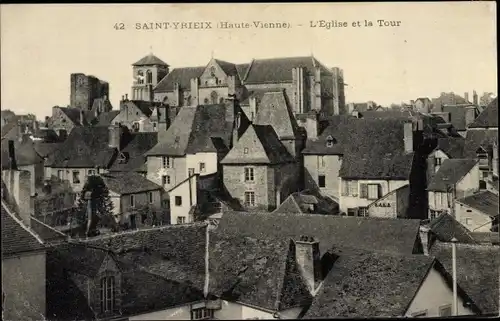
[236, 161]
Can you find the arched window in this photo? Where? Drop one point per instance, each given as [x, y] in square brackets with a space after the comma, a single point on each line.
[212, 71]
[149, 77]
[206, 100]
[107, 294]
[135, 127]
[330, 141]
[214, 97]
[140, 77]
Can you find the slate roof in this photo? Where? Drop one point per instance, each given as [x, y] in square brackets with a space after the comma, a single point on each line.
[257, 93]
[484, 201]
[360, 232]
[300, 203]
[275, 111]
[445, 227]
[74, 114]
[277, 70]
[256, 271]
[182, 76]
[124, 183]
[146, 107]
[457, 115]
[477, 271]
[150, 60]
[453, 147]
[85, 147]
[228, 67]
[140, 143]
[242, 69]
[8, 127]
[479, 138]
[24, 152]
[45, 232]
[275, 152]
[105, 118]
[450, 173]
[488, 117]
[16, 238]
[448, 99]
[194, 130]
[370, 284]
[45, 149]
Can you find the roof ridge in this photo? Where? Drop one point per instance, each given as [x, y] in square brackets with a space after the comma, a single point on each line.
[47, 226]
[18, 221]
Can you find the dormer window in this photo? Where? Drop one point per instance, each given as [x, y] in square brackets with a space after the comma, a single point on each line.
[123, 158]
[330, 141]
[107, 297]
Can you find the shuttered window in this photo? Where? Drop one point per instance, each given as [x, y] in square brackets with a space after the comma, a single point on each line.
[353, 188]
[364, 191]
[345, 188]
[373, 192]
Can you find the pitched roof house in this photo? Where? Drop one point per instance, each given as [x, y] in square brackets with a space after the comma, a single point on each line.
[478, 212]
[306, 202]
[488, 117]
[132, 157]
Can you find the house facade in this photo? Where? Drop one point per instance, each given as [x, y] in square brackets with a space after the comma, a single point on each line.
[394, 204]
[457, 178]
[478, 212]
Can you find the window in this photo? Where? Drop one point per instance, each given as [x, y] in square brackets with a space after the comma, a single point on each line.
[91, 172]
[202, 168]
[321, 181]
[245, 150]
[149, 77]
[373, 192]
[363, 211]
[249, 198]
[249, 175]
[135, 127]
[353, 188]
[167, 163]
[351, 212]
[190, 172]
[437, 161]
[445, 310]
[321, 161]
[433, 214]
[214, 97]
[202, 314]
[178, 201]
[140, 77]
[154, 126]
[76, 177]
[107, 294]
[132, 201]
[419, 314]
[330, 141]
[60, 174]
[165, 179]
[151, 197]
[181, 220]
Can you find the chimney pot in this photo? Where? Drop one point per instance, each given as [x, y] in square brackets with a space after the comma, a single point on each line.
[308, 259]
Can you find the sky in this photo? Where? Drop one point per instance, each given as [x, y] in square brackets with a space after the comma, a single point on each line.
[437, 47]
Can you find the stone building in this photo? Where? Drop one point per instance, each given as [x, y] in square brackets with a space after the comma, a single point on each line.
[85, 89]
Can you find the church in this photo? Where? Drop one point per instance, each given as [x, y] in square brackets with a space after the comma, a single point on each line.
[309, 86]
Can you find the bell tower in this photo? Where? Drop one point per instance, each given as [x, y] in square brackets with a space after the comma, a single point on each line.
[147, 73]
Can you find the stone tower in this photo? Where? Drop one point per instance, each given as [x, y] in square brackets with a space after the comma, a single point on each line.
[147, 73]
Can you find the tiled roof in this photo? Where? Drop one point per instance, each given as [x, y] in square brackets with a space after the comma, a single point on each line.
[484, 201]
[255, 271]
[450, 173]
[229, 68]
[73, 113]
[445, 227]
[194, 130]
[140, 143]
[24, 152]
[146, 107]
[359, 232]
[457, 115]
[45, 149]
[488, 117]
[124, 183]
[376, 166]
[16, 238]
[369, 284]
[300, 203]
[280, 69]
[453, 147]
[46, 233]
[242, 69]
[8, 127]
[150, 60]
[257, 93]
[182, 76]
[479, 138]
[269, 151]
[274, 110]
[477, 271]
[106, 118]
[85, 147]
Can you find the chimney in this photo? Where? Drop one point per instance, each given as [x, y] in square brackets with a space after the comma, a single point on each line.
[408, 137]
[470, 115]
[230, 107]
[12, 155]
[466, 96]
[236, 128]
[88, 198]
[474, 98]
[231, 86]
[253, 108]
[308, 260]
[82, 117]
[194, 92]
[25, 200]
[126, 97]
[424, 238]
[114, 132]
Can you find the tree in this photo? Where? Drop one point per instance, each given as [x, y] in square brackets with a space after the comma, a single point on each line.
[101, 204]
[486, 99]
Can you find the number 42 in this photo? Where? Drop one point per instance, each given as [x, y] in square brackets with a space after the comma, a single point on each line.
[119, 26]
